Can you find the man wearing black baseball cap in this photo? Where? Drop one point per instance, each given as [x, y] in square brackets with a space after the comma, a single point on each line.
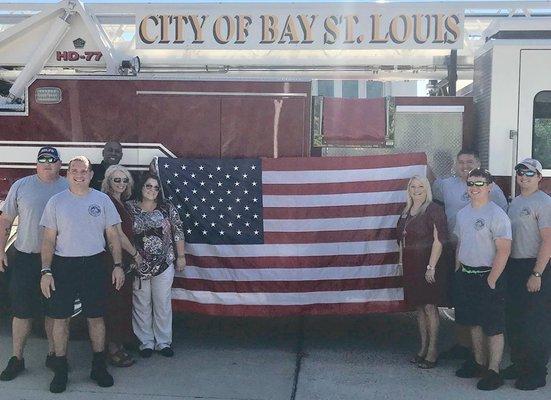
[27, 199]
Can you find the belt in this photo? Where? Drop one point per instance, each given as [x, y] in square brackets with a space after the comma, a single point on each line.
[475, 270]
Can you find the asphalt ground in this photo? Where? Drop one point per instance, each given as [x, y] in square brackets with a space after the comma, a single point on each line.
[325, 358]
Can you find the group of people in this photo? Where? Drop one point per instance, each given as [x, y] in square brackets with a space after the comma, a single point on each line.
[490, 261]
[114, 251]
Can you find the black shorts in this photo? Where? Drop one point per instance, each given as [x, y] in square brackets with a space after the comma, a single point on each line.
[25, 296]
[476, 304]
[78, 277]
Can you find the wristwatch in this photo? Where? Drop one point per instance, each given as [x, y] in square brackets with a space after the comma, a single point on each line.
[430, 267]
[117, 265]
[536, 274]
[45, 271]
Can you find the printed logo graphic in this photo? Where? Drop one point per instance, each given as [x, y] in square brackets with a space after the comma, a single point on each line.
[94, 210]
[525, 212]
[79, 43]
[465, 196]
[479, 224]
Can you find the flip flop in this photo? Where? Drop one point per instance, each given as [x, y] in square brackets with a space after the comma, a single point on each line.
[120, 359]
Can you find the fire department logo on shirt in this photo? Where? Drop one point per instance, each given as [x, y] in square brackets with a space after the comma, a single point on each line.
[94, 210]
[525, 212]
[479, 224]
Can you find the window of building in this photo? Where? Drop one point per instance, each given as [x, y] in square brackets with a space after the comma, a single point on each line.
[350, 89]
[541, 132]
[325, 88]
[374, 89]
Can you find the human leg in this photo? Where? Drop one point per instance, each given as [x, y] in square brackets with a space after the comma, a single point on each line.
[142, 313]
[162, 308]
[433, 324]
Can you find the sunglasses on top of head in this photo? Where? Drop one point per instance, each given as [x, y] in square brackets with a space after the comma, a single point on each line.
[525, 172]
[46, 160]
[150, 186]
[119, 180]
[476, 183]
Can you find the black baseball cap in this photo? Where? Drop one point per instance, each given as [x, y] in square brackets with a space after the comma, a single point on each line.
[48, 151]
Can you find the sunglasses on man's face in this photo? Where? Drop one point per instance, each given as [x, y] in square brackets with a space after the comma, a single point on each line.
[525, 172]
[476, 183]
[119, 180]
[46, 160]
[150, 186]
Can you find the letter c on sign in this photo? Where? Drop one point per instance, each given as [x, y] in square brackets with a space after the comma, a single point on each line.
[144, 35]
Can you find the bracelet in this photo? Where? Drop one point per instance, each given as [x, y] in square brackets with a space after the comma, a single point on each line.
[430, 267]
[135, 254]
[181, 256]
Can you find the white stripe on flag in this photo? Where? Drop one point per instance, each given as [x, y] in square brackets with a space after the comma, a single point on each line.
[291, 274]
[341, 176]
[289, 299]
[330, 224]
[290, 250]
[326, 200]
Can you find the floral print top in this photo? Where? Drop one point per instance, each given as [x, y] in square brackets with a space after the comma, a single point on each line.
[155, 233]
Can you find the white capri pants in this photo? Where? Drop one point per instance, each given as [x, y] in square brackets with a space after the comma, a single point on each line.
[152, 310]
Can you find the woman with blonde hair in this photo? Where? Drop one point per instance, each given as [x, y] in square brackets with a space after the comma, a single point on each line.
[118, 185]
[422, 232]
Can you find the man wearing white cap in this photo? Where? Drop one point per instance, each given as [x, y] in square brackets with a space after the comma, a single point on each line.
[529, 280]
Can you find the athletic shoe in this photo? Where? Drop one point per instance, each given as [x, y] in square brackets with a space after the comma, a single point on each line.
[61, 375]
[511, 372]
[15, 367]
[530, 382]
[470, 369]
[490, 381]
[166, 352]
[99, 371]
[457, 352]
[146, 353]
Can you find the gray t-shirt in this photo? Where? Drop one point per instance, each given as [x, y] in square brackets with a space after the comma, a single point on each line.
[529, 215]
[80, 222]
[452, 192]
[26, 200]
[477, 229]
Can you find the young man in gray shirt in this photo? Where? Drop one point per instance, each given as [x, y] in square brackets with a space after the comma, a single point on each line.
[484, 243]
[26, 200]
[529, 280]
[75, 222]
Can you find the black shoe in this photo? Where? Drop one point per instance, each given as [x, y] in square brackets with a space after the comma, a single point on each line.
[59, 383]
[490, 381]
[50, 361]
[15, 367]
[530, 382]
[99, 371]
[146, 353]
[457, 352]
[511, 372]
[470, 369]
[166, 352]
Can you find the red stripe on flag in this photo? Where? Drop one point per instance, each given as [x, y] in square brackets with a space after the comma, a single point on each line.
[282, 311]
[367, 210]
[335, 188]
[340, 163]
[287, 286]
[329, 236]
[293, 262]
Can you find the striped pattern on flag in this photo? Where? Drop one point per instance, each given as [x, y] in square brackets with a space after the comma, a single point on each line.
[329, 243]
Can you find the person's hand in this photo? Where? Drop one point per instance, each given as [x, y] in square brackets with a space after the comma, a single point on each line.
[429, 275]
[117, 277]
[47, 285]
[138, 259]
[180, 263]
[3, 261]
[534, 284]
[491, 281]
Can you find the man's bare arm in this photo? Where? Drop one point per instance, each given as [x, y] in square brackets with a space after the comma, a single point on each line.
[503, 249]
[6, 221]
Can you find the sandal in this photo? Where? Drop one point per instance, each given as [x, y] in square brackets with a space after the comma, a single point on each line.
[417, 359]
[120, 359]
[425, 364]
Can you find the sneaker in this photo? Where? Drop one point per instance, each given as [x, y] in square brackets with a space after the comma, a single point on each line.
[511, 372]
[457, 352]
[99, 371]
[50, 361]
[59, 382]
[15, 367]
[166, 352]
[490, 381]
[470, 369]
[530, 382]
[146, 353]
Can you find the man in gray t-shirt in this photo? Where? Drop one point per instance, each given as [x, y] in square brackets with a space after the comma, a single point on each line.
[483, 231]
[529, 280]
[26, 201]
[73, 263]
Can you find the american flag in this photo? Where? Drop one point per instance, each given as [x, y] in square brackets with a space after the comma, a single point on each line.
[290, 236]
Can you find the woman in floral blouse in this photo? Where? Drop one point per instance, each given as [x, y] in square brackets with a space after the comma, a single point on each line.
[159, 238]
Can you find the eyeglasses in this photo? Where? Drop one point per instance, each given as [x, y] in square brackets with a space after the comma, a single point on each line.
[119, 180]
[476, 183]
[150, 186]
[527, 172]
[46, 160]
